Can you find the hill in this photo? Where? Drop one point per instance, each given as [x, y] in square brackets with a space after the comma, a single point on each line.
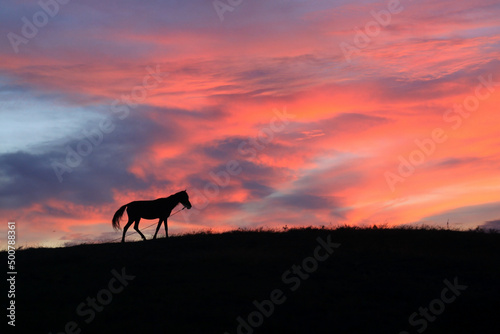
[347, 280]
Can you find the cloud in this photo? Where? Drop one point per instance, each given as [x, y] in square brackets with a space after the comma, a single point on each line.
[491, 224]
[30, 178]
[301, 201]
[256, 189]
[223, 150]
[466, 216]
[352, 121]
[457, 162]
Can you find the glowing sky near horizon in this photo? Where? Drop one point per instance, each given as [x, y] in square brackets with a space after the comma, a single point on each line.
[325, 113]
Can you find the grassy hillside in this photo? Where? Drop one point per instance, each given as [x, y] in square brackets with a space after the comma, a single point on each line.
[371, 283]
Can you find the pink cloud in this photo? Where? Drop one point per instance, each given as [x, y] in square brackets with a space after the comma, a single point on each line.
[222, 84]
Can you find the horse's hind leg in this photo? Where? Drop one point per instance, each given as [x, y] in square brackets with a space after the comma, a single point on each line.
[136, 227]
[166, 228]
[158, 228]
[125, 228]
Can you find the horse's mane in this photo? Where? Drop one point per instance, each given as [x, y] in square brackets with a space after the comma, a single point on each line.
[174, 195]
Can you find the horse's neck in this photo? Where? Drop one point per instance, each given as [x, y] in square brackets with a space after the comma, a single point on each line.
[172, 201]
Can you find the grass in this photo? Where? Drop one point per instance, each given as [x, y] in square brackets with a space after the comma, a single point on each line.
[202, 282]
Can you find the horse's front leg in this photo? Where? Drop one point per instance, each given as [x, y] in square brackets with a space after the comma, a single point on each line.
[166, 228]
[158, 228]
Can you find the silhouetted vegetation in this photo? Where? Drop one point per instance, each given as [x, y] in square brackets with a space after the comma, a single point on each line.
[201, 283]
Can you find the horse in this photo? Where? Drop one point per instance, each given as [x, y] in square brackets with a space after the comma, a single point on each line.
[158, 208]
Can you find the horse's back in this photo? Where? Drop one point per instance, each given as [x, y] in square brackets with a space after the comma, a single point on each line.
[145, 209]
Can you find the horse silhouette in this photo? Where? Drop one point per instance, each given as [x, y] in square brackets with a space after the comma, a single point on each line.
[158, 208]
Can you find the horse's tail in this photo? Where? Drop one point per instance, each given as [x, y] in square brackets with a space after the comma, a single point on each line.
[117, 216]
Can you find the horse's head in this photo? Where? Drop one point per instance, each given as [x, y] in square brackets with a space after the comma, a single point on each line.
[184, 199]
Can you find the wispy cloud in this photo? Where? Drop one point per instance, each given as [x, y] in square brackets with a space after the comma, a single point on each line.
[351, 120]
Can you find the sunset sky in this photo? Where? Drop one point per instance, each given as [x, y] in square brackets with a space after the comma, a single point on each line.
[324, 113]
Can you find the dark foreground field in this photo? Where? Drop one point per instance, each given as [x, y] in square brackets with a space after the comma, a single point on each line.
[250, 282]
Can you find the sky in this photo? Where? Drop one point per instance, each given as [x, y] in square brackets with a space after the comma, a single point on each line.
[270, 113]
